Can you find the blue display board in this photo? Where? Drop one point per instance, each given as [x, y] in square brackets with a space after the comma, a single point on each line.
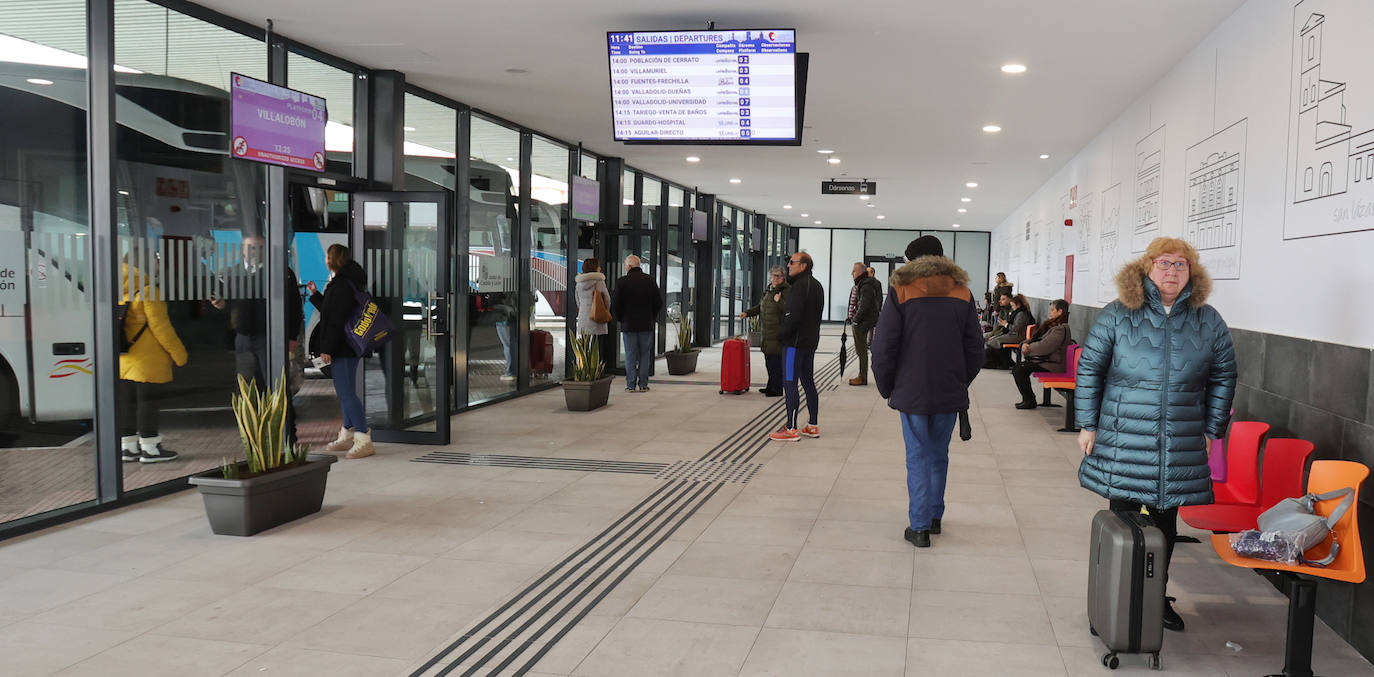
[737, 86]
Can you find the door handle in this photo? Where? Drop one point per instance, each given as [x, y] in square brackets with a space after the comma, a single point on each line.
[434, 310]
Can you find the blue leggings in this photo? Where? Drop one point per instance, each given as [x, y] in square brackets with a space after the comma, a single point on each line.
[345, 374]
[800, 365]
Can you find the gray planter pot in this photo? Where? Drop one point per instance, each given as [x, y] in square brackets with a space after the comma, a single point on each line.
[245, 507]
[681, 364]
[587, 395]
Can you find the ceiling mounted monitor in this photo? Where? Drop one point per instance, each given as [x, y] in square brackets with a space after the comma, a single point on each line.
[707, 87]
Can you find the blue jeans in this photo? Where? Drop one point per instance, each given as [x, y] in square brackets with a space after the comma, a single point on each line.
[800, 365]
[503, 332]
[345, 374]
[927, 465]
[639, 356]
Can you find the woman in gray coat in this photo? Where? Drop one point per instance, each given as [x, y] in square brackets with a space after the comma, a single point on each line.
[590, 281]
[1156, 378]
[770, 312]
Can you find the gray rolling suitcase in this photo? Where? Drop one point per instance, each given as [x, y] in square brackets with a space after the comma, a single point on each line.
[1126, 585]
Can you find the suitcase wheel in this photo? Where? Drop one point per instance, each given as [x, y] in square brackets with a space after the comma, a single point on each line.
[1111, 661]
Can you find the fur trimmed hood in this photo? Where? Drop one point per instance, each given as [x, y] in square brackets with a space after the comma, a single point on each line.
[595, 277]
[928, 266]
[1130, 284]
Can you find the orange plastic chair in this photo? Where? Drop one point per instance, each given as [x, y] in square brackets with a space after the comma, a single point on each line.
[1015, 348]
[1299, 581]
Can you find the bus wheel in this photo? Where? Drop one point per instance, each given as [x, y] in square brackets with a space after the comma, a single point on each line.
[9, 396]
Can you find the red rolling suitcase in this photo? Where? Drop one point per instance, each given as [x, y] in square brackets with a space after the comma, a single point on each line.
[734, 366]
[541, 352]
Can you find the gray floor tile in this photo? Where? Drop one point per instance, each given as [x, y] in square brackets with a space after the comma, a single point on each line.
[645, 646]
[841, 608]
[782, 652]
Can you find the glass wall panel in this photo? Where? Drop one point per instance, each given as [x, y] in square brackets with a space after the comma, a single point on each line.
[726, 270]
[191, 238]
[627, 198]
[335, 85]
[651, 208]
[588, 168]
[971, 253]
[743, 221]
[846, 248]
[673, 293]
[816, 242]
[889, 242]
[492, 303]
[549, 217]
[47, 389]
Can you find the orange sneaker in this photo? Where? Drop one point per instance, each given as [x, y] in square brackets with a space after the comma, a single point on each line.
[784, 435]
[811, 431]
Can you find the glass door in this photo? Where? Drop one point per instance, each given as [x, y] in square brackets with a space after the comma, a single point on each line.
[405, 245]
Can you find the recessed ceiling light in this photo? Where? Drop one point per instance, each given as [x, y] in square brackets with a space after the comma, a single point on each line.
[818, 223]
[1044, 156]
[1013, 68]
[966, 199]
[735, 180]
[991, 128]
[805, 215]
[971, 184]
[825, 151]
[963, 211]
[38, 81]
[693, 158]
[880, 216]
[956, 225]
[871, 205]
[408, 129]
[787, 206]
[865, 197]
[833, 160]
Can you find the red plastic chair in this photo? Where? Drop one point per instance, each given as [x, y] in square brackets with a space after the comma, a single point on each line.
[1242, 464]
[1284, 461]
[1067, 386]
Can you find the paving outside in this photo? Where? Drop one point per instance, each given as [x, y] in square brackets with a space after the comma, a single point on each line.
[800, 571]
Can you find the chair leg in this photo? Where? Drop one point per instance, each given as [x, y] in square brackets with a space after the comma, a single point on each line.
[1048, 402]
[1302, 611]
[1069, 427]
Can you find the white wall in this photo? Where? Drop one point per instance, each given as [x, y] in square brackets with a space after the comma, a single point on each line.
[1298, 264]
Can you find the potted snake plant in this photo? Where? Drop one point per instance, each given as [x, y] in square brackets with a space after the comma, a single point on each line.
[683, 359]
[276, 482]
[755, 332]
[588, 386]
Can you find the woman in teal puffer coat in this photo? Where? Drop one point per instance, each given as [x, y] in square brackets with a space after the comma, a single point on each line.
[1155, 383]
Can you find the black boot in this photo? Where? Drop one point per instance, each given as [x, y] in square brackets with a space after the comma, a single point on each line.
[920, 539]
[1172, 621]
[1027, 404]
[935, 525]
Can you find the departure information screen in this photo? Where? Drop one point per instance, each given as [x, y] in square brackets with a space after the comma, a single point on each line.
[736, 86]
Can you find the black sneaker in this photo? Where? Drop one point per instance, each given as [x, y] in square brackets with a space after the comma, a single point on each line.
[1172, 621]
[935, 525]
[131, 455]
[920, 539]
[162, 456]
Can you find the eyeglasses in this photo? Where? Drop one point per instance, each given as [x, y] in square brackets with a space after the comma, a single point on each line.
[1176, 265]
[796, 261]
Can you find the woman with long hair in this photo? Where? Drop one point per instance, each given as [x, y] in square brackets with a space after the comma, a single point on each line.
[1015, 326]
[1044, 352]
[336, 305]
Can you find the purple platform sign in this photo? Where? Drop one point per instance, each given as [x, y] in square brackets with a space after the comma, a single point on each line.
[277, 125]
[586, 199]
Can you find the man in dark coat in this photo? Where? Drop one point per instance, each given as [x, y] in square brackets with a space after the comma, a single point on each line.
[865, 300]
[800, 334]
[927, 349]
[635, 303]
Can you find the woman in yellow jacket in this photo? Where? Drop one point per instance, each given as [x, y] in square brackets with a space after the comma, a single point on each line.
[155, 346]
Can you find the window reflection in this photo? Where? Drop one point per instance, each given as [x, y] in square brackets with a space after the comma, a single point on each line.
[493, 306]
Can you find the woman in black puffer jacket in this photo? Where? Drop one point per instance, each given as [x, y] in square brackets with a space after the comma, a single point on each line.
[336, 306]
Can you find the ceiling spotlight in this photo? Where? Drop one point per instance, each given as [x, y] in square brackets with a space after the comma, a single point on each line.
[833, 160]
[871, 205]
[408, 129]
[956, 225]
[880, 216]
[805, 215]
[825, 151]
[865, 197]
[963, 211]
[693, 158]
[787, 206]
[966, 199]
[971, 184]
[991, 129]
[1013, 68]
[38, 81]
[1044, 156]
[818, 223]
[735, 180]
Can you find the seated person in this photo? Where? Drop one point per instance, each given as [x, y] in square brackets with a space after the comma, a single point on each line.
[1044, 352]
[1000, 317]
[1015, 326]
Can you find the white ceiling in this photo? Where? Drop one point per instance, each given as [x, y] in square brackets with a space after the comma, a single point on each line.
[898, 88]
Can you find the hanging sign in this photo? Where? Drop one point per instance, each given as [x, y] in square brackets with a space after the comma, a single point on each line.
[849, 188]
[276, 125]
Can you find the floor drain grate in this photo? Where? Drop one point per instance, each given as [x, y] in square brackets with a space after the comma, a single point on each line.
[710, 471]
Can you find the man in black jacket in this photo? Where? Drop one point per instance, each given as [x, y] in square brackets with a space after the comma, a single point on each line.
[864, 303]
[800, 333]
[635, 303]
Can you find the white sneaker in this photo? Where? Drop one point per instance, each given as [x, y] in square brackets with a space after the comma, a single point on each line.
[362, 446]
[343, 443]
